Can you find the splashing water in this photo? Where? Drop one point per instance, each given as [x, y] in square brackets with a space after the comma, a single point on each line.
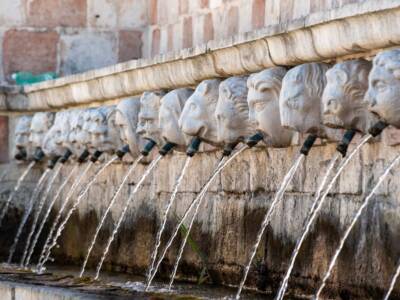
[103, 219]
[353, 222]
[38, 212]
[165, 215]
[27, 213]
[221, 165]
[75, 206]
[45, 253]
[51, 204]
[393, 282]
[267, 218]
[122, 216]
[14, 192]
[300, 241]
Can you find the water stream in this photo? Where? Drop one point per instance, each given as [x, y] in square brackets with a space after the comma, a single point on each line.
[221, 165]
[38, 212]
[110, 205]
[122, 216]
[27, 213]
[267, 218]
[74, 207]
[352, 223]
[315, 212]
[14, 192]
[49, 208]
[393, 282]
[45, 253]
[165, 215]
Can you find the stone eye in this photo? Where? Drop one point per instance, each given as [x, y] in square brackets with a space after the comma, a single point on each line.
[259, 106]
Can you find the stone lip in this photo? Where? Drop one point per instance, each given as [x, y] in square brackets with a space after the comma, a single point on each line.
[300, 41]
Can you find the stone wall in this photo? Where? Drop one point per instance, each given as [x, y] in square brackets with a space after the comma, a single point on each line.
[231, 215]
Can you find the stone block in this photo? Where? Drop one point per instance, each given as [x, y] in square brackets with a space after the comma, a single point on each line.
[155, 42]
[246, 16]
[32, 51]
[153, 12]
[183, 7]
[87, 50]
[12, 13]
[54, 13]
[130, 45]
[187, 36]
[258, 14]
[208, 30]
[232, 21]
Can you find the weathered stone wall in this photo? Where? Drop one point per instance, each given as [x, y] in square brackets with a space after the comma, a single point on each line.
[231, 215]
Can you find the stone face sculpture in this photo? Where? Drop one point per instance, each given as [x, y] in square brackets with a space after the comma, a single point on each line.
[149, 126]
[197, 118]
[57, 136]
[170, 111]
[384, 87]
[126, 120]
[23, 148]
[263, 99]
[40, 125]
[103, 131]
[301, 97]
[77, 137]
[232, 111]
[343, 97]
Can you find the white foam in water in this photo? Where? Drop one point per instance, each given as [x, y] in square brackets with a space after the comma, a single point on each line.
[27, 213]
[37, 214]
[14, 192]
[221, 165]
[75, 206]
[165, 216]
[267, 218]
[103, 218]
[121, 218]
[393, 282]
[45, 253]
[352, 223]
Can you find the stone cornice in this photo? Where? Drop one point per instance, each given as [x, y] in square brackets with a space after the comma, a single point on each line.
[354, 29]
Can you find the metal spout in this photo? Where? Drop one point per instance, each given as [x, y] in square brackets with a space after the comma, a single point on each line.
[308, 143]
[228, 149]
[39, 154]
[345, 142]
[21, 154]
[166, 149]
[254, 140]
[193, 147]
[95, 157]
[52, 162]
[121, 152]
[66, 156]
[83, 156]
[147, 149]
[377, 128]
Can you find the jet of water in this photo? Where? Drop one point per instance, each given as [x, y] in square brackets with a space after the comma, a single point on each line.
[39, 210]
[221, 165]
[393, 282]
[165, 215]
[74, 207]
[45, 251]
[110, 205]
[14, 192]
[267, 218]
[314, 213]
[27, 213]
[352, 223]
[122, 216]
[49, 208]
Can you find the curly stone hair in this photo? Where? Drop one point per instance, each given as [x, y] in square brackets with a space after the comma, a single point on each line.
[390, 60]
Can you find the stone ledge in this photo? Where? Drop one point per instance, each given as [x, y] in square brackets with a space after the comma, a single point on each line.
[354, 29]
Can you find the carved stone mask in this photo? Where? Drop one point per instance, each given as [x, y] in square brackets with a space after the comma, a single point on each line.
[40, 125]
[301, 97]
[126, 119]
[104, 133]
[54, 140]
[384, 87]
[197, 118]
[77, 138]
[170, 111]
[343, 97]
[232, 111]
[149, 127]
[22, 132]
[263, 99]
